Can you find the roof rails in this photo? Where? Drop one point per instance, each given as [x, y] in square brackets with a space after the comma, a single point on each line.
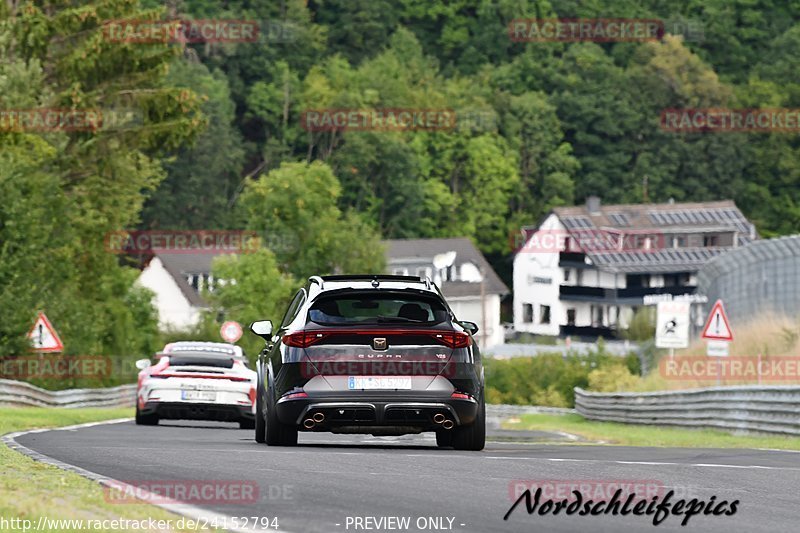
[317, 280]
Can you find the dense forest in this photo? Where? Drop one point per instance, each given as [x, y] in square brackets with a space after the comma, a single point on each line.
[221, 144]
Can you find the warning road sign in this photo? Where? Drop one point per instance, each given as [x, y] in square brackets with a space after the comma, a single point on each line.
[717, 326]
[43, 336]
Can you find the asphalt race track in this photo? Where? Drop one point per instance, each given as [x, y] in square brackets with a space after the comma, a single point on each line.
[328, 478]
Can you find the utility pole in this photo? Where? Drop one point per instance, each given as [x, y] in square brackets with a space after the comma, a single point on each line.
[483, 308]
[644, 190]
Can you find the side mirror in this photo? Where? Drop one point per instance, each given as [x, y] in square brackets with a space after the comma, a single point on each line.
[141, 364]
[471, 327]
[262, 328]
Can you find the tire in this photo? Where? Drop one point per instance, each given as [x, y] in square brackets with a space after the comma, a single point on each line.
[278, 433]
[473, 436]
[444, 438]
[246, 423]
[260, 425]
[146, 420]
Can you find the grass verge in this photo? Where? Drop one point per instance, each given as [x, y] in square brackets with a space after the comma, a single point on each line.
[640, 435]
[29, 489]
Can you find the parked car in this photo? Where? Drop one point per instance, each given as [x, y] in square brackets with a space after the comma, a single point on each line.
[380, 355]
[196, 381]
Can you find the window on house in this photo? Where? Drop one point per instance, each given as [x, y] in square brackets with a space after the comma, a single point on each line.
[424, 272]
[567, 273]
[400, 272]
[679, 242]
[527, 313]
[544, 314]
[571, 317]
[597, 315]
[710, 240]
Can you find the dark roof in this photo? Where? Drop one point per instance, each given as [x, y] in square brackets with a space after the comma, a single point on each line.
[666, 260]
[668, 218]
[425, 249]
[180, 265]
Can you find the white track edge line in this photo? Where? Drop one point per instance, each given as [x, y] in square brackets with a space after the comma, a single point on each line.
[189, 511]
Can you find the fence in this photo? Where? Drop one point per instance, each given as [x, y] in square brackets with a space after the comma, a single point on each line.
[774, 409]
[18, 393]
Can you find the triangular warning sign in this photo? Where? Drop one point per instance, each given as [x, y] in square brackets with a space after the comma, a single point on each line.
[44, 337]
[717, 326]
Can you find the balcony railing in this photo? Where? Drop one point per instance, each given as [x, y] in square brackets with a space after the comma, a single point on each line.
[573, 292]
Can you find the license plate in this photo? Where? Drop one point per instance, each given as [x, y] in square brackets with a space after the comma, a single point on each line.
[206, 396]
[378, 383]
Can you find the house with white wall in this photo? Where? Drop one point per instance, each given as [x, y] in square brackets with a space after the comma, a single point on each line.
[585, 270]
[469, 284]
[178, 280]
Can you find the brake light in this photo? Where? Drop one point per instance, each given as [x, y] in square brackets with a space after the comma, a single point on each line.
[460, 396]
[303, 339]
[200, 376]
[295, 395]
[454, 339]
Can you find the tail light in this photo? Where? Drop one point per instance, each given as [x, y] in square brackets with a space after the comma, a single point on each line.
[454, 339]
[460, 396]
[303, 339]
[451, 339]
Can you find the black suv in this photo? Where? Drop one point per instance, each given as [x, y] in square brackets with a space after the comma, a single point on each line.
[376, 354]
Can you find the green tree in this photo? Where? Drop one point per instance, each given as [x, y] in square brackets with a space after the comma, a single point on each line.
[298, 203]
[76, 186]
[250, 287]
[202, 179]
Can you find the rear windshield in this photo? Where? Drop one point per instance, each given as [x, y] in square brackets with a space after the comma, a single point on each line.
[200, 360]
[377, 309]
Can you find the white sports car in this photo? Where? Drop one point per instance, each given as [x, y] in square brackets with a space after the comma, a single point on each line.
[196, 381]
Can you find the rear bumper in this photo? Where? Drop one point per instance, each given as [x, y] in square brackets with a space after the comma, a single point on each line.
[354, 411]
[199, 411]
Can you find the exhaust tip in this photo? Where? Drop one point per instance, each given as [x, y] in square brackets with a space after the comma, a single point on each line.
[318, 417]
[448, 424]
[308, 423]
[439, 418]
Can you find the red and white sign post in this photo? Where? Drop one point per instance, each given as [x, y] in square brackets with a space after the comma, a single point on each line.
[718, 333]
[231, 331]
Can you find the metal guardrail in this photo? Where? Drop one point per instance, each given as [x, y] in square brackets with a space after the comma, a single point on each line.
[19, 393]
[767, 409]
[507, 410]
